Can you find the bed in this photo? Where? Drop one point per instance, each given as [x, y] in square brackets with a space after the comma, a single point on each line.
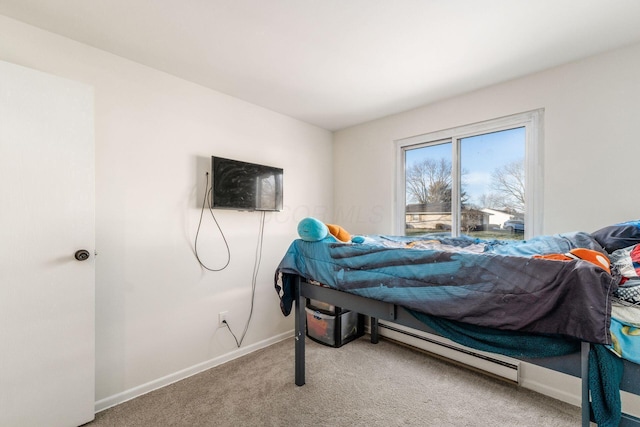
[548, 300]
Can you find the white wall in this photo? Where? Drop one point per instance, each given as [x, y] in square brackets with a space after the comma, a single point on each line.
[590, 143]
[156, 309]
[591, 147]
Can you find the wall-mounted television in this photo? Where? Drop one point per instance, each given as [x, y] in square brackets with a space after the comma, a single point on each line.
[245, 186]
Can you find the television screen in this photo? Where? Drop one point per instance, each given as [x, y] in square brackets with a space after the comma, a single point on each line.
[245, 186]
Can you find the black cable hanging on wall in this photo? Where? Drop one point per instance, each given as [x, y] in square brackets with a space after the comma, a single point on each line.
[256, 265]
[254, 280]
[207, 194]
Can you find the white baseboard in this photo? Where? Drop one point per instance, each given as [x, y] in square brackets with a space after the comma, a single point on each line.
[491, 363]
[134, 392]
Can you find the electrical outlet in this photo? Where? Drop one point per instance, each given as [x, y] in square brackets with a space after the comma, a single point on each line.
[222, 317]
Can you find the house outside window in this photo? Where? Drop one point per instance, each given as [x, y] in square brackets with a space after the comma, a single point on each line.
[482, 180]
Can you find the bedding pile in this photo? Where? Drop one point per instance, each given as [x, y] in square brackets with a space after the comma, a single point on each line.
[495, 284]
[623, 246]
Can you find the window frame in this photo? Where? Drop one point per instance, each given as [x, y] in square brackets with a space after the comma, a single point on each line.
[532, 121]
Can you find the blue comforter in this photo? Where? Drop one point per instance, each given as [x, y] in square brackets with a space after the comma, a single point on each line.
[495, 284]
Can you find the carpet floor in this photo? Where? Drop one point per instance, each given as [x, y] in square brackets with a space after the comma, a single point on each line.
[359, 384]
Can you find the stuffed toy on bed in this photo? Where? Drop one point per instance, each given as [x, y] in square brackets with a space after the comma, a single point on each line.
[313, 230]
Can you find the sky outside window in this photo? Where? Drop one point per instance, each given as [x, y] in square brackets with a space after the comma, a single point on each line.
[481, 155]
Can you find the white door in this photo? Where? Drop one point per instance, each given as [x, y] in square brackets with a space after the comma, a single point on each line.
[47, 350]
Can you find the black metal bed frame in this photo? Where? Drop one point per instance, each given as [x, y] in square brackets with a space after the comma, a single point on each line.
[576, 364]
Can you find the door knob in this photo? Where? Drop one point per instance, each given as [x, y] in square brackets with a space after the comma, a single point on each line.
[81, 254]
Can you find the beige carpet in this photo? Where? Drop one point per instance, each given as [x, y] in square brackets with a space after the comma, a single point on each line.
[360, 384]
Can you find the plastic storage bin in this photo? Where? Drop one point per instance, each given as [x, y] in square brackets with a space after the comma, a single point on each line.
[334, 330]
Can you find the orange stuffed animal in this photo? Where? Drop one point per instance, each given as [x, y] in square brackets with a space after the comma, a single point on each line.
[339, 233]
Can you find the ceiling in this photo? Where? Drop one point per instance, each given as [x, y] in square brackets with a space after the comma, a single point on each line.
[337, 63]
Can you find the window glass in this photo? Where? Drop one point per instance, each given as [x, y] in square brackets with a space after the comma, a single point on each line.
[482, 180]
[492, 196]
[428, 180]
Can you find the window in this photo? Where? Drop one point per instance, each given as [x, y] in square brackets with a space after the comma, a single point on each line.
[482, 180]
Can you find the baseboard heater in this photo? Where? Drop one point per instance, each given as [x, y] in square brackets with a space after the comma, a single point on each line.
[502, 367]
